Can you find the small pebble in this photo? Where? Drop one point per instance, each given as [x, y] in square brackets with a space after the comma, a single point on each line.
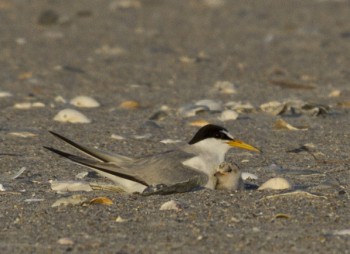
[71, 116]
[171, 205]
[84, 102]
[2, 188]
[277, 183]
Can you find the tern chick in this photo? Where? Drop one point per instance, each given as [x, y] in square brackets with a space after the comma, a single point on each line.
[198, 160]
[228, 177]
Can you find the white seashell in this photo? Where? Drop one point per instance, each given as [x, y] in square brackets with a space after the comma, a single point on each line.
[240, 107]
[5, 94]
[72, 200]
[81, 175]
[2, 188]
[274, 107]
[31, 200]
[84, 102]
[228, 115]
[65, 241]
[66, 186]
[28, 105]
[247, 176]
[120, 219]
[225, 87]
[191, 110]
[23, 134]
[71, 116]
[334, 93]
[171, 205]
[20, 172]
[210, 104]
[60, 99]
[170, 141]
[277, 183]
[117, 137]
[280, 124]
[341, 232]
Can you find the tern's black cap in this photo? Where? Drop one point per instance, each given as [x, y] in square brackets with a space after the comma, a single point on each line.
[210, 131]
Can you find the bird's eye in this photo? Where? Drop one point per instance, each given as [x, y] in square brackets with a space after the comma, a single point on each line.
[220, 135]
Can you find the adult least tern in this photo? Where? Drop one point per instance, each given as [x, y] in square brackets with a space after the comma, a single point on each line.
[197, 159]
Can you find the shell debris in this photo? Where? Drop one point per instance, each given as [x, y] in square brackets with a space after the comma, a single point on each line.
[276, 183]
[71, 116]
[101, 201]
[72, 200]
[274, 108]
[199, 123]
[29, 105]
[67, 186]
[171, 205]
[84, 102]
[280, 124]
[5, 94]
[129, 105]
[23, 134]
[210, 104]
[225, 87]
[228, 115]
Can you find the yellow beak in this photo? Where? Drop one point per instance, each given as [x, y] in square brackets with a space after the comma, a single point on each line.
[240, 144]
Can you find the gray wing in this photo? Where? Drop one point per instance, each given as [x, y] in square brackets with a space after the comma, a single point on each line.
[164, 168]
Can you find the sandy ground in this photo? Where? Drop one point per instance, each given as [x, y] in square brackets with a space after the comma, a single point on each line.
[172, 53]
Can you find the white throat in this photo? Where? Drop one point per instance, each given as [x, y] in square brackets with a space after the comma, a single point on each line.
[210, 153]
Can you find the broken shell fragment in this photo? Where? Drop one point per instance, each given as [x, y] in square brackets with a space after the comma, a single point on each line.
[228, 115]
[171, 205]
[280, 124]
[277, 183]
[66, 186]
[192, 110]
[274, 108]
[247, 176]
[23, 134]
[210, 104]
[199, 123]
[29, 105]
[240, 107]
[5, 94]
[129, 105]
[84, 102]
[65, 241]
[71, 116]
[72, 200]
[225, 87]
[101, 200]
